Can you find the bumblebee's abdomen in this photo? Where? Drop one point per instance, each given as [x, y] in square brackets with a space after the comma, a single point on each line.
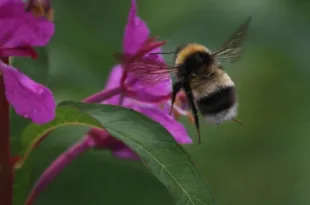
[217, 102]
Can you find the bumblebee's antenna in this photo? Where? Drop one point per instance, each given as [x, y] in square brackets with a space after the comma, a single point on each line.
[163, 53]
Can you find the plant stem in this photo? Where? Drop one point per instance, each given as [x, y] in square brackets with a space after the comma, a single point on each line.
[58, 165]
[103, 95]
[121, 99]
[6, 175]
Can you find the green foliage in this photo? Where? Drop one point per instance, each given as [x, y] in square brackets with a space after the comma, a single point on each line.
[159, 152]
[22, 183]
[34, 133]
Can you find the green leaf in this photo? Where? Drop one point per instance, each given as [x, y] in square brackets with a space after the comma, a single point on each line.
[22, 182]
[159, 152]
[34, 133]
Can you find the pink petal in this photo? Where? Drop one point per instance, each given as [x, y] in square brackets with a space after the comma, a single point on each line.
[114, 81]
[175, 128]
[15, 9]
[20, 28]
[136, 31]
[28, 98]
[141, 92]
[164, 86]
[150, 92]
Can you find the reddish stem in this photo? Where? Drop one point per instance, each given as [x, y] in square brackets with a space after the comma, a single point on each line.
[6, 175]
[58, 165]
[103, 95]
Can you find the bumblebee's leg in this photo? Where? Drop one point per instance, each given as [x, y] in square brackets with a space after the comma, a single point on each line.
[175, 89]
[190, 98]
[237, 121]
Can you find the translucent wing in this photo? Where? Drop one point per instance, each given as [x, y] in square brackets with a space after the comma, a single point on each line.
[232, 48]
[147, 69]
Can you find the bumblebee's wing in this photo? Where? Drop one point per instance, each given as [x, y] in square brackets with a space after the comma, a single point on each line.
[148, 69]
[232, 48]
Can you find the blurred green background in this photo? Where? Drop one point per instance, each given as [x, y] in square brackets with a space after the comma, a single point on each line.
[265, 161]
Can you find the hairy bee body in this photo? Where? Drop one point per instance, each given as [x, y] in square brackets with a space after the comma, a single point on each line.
[213, 90]
[209, 89]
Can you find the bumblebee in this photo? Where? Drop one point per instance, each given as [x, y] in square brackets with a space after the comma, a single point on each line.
[199, 73]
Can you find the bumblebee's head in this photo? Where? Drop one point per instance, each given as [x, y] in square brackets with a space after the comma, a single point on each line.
[185, 53]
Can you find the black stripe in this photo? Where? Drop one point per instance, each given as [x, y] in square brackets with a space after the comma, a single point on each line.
[218, 101]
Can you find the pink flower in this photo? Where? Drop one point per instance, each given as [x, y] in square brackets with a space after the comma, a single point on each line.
[151, 100]
[20, 30]
[154, 111]
[128, 90]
